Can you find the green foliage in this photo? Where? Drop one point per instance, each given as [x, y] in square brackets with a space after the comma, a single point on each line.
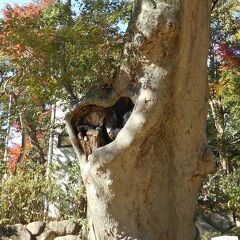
[231, 190]
[26, 195]
[220, 191]
[56, 54]
[22, 196]
[72, 201]
[230, 94]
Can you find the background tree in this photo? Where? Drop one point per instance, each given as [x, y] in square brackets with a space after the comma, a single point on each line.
[220, 190]
[223, 59]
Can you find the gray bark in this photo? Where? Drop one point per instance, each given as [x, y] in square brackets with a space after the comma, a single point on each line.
[5, 157]
[23, 141]
[143, 185]
[51, 139]
[32, 133]
[220, 125]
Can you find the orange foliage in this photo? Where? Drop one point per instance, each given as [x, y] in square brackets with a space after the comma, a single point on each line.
[214, 87]
[27, 11]
[229, 54]
[45, 115]
[14, 154]
[20, 12]
[16, 18]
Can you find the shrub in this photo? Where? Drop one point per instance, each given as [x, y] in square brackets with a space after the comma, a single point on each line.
[26, 195]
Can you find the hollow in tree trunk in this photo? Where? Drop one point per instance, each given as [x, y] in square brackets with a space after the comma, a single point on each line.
[142, 148]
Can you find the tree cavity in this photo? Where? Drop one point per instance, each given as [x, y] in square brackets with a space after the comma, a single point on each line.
[96, 126]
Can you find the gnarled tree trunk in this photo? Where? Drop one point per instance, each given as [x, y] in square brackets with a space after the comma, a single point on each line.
[143, 184]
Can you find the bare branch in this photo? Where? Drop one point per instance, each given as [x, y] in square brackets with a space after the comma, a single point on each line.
[214, 5]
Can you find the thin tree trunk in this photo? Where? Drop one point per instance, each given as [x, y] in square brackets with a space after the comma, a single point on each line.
[219, 122]
[51, 139]
[214, 4]
[34, 140]
[50, 155]
[5, 157]
[143, 185]
[24, 140]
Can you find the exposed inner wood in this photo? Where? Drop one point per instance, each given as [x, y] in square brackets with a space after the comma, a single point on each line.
[96, 126]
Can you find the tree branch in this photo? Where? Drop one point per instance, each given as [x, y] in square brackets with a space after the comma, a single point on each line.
[34, 140]
[24, 141]
[214, 5]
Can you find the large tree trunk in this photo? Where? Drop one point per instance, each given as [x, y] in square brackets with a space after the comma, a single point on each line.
[143, 185]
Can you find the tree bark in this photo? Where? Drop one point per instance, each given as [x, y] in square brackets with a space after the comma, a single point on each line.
[220, 125]
[143, 185]
[23, 141]
[32, 133]
[51, 139]
[5, 156]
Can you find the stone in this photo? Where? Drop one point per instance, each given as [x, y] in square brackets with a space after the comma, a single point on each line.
[36, 228]
[2, 230]
[47, 235]
[225, 238]
[65, 227]
[238, 223]
[68, 237]
[16, 232]
[205, 230]
[203, 226]
[220, 223]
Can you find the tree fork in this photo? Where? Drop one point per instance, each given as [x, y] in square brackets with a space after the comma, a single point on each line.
[143, 185]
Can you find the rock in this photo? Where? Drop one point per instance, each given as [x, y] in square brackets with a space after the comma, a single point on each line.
[66, 227]
[206, 231]
[68, 237]
[47, 235]
[16, 232]
[218, 222]
[225, 238]
[2, 230]
[203, 226]
[36, 228]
